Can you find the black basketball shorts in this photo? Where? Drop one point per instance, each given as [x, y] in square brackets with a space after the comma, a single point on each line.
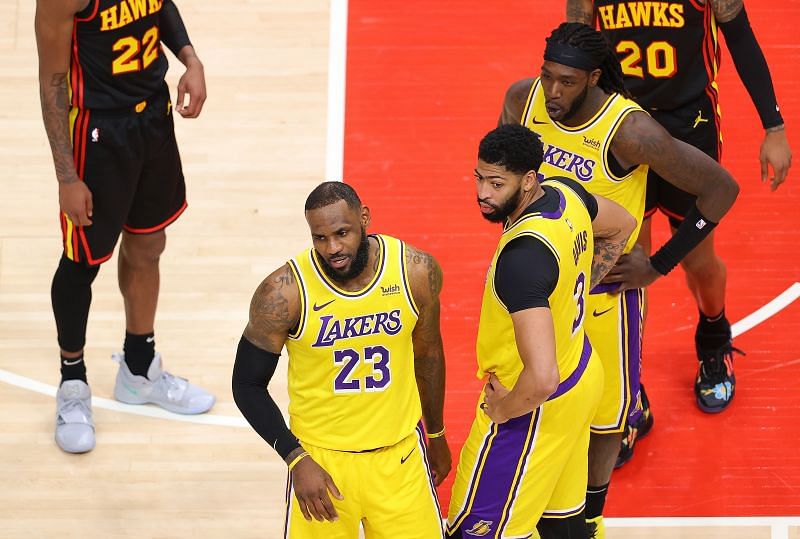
[696, 123]
[129, 160]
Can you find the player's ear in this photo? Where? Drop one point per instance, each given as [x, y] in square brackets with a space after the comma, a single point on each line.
[529, 181]
[365, 216]
[594, 76]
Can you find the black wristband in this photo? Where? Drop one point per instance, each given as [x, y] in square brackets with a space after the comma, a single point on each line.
[252, 372]
[752, 68]
[692, 231]
[173, 31]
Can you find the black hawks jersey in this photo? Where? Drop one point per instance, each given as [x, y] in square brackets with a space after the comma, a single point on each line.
[668, 50]
[117, 59]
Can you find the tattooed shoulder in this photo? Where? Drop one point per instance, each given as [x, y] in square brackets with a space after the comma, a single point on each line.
[274, 307]
[423, 264]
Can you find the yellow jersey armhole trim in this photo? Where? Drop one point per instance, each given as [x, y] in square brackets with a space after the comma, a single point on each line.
[607, 146]
[529, 102]
[301, 324]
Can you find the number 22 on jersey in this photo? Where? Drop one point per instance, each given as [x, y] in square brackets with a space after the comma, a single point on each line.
[129, 48]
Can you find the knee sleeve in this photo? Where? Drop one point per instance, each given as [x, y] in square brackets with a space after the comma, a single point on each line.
[573, 527]
[71, 295]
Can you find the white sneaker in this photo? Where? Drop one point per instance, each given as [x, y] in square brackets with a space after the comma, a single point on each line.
[74, 426]
[160, 387]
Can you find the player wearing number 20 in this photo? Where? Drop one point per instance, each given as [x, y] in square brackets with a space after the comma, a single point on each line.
[359, 316]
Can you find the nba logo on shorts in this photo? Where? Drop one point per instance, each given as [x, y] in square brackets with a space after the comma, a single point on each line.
[95, 134]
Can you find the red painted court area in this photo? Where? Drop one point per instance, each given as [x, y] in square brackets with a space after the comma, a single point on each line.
[425, 81]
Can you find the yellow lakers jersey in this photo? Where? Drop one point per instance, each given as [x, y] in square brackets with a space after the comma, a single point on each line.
[568, 234]
[581, 152]
[351, 359]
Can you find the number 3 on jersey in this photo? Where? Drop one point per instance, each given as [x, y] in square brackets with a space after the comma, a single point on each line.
[128, 61]
[660, 59]
[349, 359]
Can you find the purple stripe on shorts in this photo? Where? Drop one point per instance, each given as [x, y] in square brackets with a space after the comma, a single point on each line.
[573, 378]
[633, 316]
[496, 480]
[604, 288]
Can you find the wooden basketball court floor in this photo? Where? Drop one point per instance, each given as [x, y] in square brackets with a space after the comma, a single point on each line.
[424, 83]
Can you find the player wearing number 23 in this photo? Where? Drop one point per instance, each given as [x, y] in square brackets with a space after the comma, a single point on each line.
[359, 316]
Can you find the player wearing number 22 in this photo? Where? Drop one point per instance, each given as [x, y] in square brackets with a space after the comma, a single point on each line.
[108, 116]
[359, 316]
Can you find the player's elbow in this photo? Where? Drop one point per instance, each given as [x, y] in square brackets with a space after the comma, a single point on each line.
[546, 384]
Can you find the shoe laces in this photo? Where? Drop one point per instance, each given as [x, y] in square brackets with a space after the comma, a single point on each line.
[715, 366]
[74, 404]
[170, 385]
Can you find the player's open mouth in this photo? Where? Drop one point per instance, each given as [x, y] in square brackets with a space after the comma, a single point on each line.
[339, 263]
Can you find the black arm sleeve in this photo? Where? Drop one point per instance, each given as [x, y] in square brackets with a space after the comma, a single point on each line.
[526, 274]
[692, 231]
[252, 372]
[752, 68]
[588, 199]
[173, 31]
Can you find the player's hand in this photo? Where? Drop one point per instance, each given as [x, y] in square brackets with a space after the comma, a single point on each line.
[311, 486]
[440, 459]
[494, 393]
[775, 151]
[75, 200]
[632, 270]
[193, 84]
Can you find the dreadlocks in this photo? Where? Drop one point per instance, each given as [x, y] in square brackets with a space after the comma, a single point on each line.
[592, 42]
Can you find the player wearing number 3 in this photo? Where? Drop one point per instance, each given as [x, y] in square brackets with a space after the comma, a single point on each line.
[359, 316]
[594, 133]
[525, 456]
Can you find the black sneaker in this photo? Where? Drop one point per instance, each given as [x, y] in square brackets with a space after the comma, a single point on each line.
[716, 384]
[635, 432]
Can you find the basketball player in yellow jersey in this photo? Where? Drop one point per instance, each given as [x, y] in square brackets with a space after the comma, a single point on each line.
[525, 456]
[594, 134]
[359, 315]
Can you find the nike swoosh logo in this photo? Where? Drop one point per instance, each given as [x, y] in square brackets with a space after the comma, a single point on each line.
[150, 339]
[402, 460]
[537, 122]
[69, 363]
[595, 313]
[318, 307]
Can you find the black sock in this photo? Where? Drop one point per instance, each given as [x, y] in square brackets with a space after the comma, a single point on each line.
[595, 500]
[73, 368]
[712, 331]
[139, 351]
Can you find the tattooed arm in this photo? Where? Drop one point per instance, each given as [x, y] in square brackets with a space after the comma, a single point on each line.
[642, 140]
[274, 311]
[425, 277]
[580, 11]
[612, 228]
[53, 25]
[514, 102]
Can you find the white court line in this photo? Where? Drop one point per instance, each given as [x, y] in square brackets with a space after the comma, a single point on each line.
[748, 322]
[773, 307]
[337, 70]
[108, 404]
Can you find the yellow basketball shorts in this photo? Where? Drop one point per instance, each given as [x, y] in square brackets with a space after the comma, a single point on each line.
[614, 326]
[530, 467]
[389, 491]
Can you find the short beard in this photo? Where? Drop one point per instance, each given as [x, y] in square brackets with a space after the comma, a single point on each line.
[502, 212]
[576, 104]
[357, 265]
